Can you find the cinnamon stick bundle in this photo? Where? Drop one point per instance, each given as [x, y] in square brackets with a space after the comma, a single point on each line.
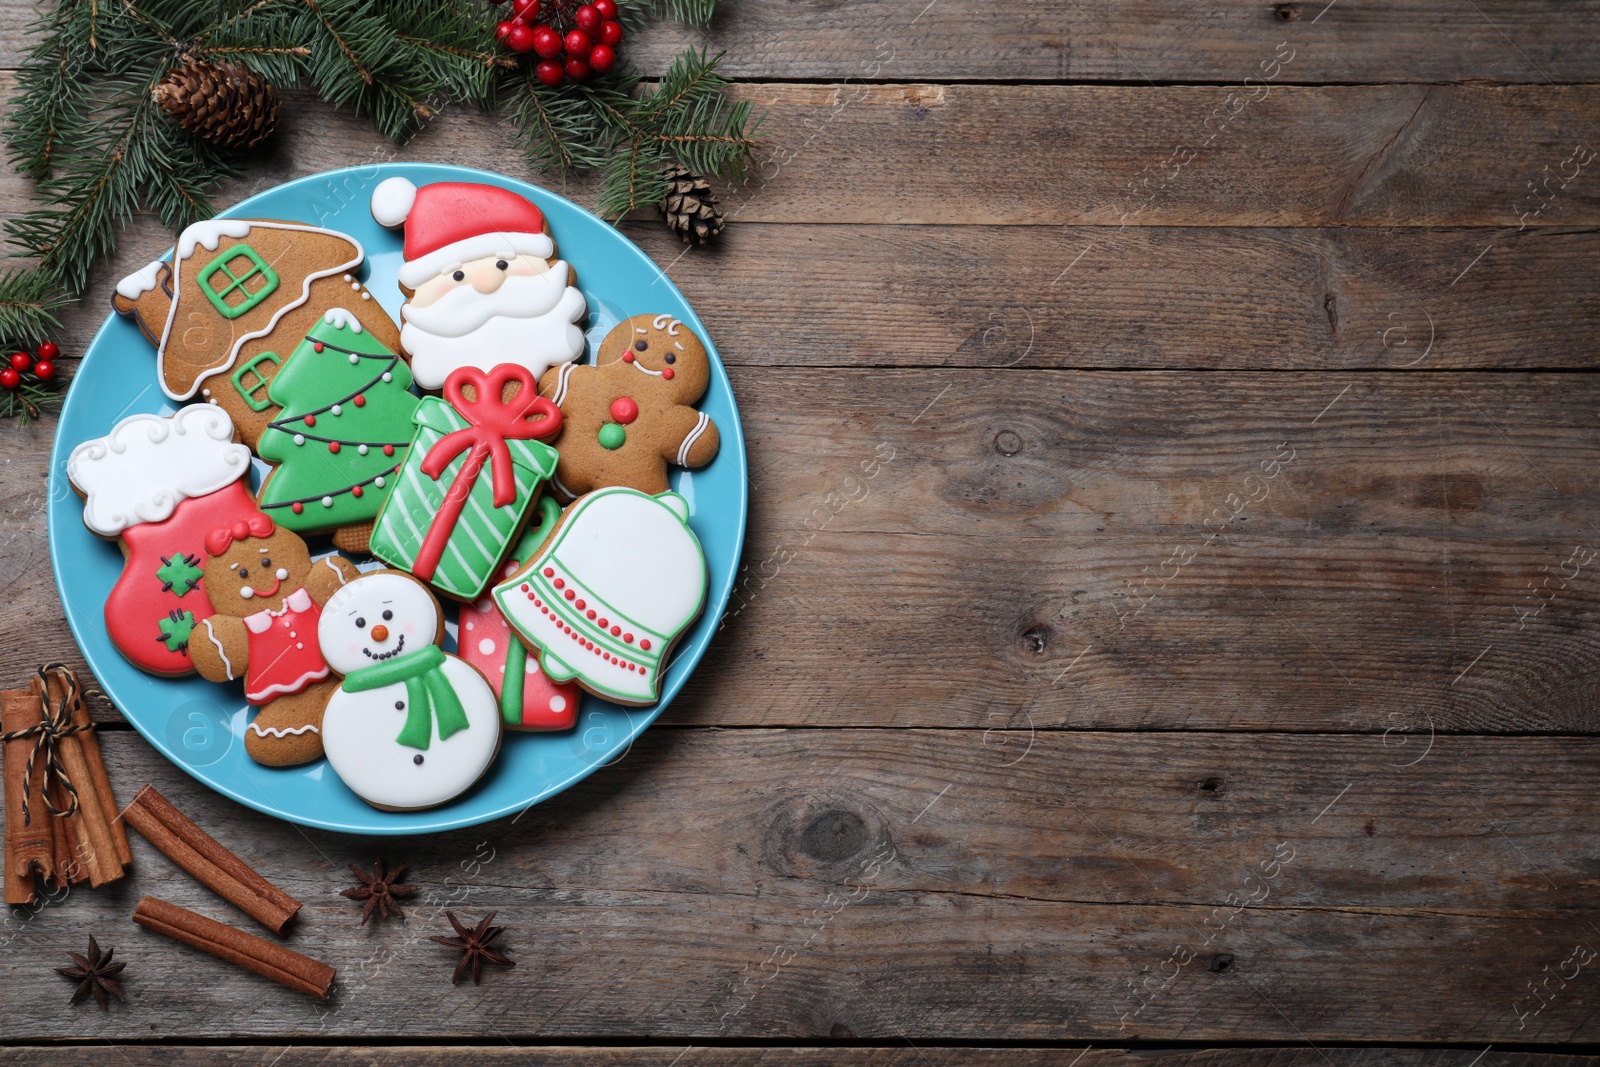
[87, 845]
[219, 870]
[246, 950]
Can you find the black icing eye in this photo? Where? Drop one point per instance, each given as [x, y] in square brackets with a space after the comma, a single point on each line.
[388, 615]
[243, 573]
[502, 264]
[459, 275]
[641, 345]
[265, 562]
[361, 624]
[670, 358]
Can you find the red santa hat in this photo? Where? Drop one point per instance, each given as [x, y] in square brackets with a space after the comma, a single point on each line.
[448, 223]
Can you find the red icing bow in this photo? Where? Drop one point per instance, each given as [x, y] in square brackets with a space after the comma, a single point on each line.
[218, 540]
[491, 423]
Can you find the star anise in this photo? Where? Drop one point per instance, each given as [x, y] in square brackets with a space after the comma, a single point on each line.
[379, 891]
[474, 945]
[95, 974]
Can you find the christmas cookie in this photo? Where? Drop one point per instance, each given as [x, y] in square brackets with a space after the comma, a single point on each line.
[528, 699]
[483, 283]
[610, 592]
[631, 415]
[342, 429]
[236, 298]
[475, 468]
[410, 726]
[268, 595]
[158, 485]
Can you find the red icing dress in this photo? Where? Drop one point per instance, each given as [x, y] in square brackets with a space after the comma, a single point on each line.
[284, 657]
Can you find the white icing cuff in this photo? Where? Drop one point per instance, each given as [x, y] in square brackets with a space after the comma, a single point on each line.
[414, 272]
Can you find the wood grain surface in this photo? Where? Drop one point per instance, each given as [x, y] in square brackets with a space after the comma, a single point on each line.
[1167, 627]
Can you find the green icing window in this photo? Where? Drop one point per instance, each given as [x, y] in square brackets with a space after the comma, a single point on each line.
[258, 382]
[237, 281]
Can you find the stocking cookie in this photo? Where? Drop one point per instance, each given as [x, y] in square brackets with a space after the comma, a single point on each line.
[268, 595]
[529, 700]
[234, 301]
[483, 282]
[411, 726]
[158, 485]
[342, 430]
[610, 592]
[631, 414]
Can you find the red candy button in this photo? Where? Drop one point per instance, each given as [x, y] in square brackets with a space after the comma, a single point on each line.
[624, 409]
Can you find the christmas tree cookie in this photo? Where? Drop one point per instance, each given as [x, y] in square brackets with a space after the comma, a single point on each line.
[158, 485]
[341, 433]
[610, 592]
[234, 299]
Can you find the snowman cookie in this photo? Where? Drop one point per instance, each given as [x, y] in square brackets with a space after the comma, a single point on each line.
[410, 726]
[266, 593]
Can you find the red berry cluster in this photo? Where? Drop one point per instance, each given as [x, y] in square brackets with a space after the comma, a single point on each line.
[21, 363]
[588, 47]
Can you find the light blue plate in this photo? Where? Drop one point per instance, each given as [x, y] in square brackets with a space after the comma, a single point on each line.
[200, 725]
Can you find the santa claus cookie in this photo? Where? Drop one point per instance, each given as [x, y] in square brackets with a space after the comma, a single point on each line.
[268, 595]
[632, 414]
[235, 300]
[158, 485]
[610, 592]
[483, 282]
[411, 726]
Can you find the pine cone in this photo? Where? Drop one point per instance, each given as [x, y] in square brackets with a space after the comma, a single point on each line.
[690, 207]
[228, 106]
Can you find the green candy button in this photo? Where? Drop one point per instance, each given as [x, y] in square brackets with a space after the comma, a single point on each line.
[612, 435]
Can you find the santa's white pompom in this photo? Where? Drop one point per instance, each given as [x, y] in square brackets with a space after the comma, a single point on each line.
[392, 200]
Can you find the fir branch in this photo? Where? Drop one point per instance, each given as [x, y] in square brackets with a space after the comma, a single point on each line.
[28, 303]
[694, 12]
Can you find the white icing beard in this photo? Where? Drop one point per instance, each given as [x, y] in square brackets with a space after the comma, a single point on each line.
[530, 321]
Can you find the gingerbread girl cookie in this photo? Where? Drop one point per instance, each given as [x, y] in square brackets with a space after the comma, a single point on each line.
[631, 414]
[268, 595]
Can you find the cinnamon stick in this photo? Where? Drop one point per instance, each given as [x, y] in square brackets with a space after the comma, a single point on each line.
[219, 870]
[89, 742]
[30, 848]
[70, 844]
[247, 950]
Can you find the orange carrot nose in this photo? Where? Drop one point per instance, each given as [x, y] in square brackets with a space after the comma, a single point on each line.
[380, 632]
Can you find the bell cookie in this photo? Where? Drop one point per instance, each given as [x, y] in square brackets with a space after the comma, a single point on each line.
[481, 278]
[236, 299]
[609, 593]
[410, 726]
[268, 593]
[158, 485]
[529, 700]
[343, 426]
[631, 415]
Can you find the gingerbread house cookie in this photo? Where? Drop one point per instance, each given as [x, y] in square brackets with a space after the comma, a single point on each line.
[232, 305]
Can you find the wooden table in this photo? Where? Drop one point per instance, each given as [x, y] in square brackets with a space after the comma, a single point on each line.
[1171, 617]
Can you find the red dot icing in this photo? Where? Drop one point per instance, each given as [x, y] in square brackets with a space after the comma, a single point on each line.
[356, 491]
[311, 420]
[333, 446]
[666, 372]
[316, 346]
[570, 594]
[628, 638]
[616, 631]
[559, 583]
[524, 587]
[580, 605]
[627, 357]
[549, 572]
[591, 613]
[644, 643]
[297, 507]
[388, 450]
[360, 401]
[624, 409]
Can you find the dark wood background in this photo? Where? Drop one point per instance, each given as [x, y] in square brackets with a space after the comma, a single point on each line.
[1171, 621]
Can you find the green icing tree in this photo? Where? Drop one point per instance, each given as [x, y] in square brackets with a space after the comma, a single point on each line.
[343, 431]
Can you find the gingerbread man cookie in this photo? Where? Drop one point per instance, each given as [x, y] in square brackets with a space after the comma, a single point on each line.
[631, 414]
[268, 595]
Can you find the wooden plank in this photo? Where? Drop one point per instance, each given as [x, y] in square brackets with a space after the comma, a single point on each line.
[941, 546]
[1246, 298]
[901, 1054]
[1107, 156]
[977, 888]
[1415, 40]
